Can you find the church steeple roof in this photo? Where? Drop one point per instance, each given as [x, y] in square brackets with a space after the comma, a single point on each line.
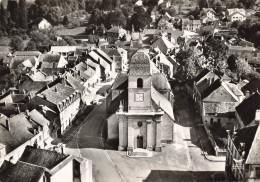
[140, 64]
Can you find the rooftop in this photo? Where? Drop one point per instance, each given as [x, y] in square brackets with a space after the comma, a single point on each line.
[40, 157]
[247, 109]
[57, 93]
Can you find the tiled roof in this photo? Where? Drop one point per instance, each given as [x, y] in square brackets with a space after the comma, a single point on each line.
[27, 53]
[161, 101]
[16, 61]
[53, 71]
[245, 135]
[104, 55]
[49, 58]
[22, 172]
[160, 82]
[252, 86]
[121, 81]
[140, 64]
[75, 83]
[31, 86]
[163, 44]
[40, 157]
[219, 92]
[81, 66]
[247, 109]
[203, 73]
[18, 133]
[37, 117]
[111, 52]
[254, 154]
[57, 93]
[63, 49]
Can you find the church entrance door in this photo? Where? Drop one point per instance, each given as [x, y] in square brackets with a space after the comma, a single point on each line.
[139, 141]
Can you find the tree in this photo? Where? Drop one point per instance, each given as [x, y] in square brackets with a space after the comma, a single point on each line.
[16, 44]
[70, 41]
[3, 18]
[216, 53]
[54, 15]
[65, 20]
[115, 19]
[242, 67]
[13, 9]
[203, 4]
[248, 3]
[95, 17]
[140, 19]
[31, 46]
[23, 14]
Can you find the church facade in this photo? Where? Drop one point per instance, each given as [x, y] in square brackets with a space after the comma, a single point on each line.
[140, 119]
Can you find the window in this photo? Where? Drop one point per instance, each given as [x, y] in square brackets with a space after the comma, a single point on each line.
[139, 83]
[257, 172]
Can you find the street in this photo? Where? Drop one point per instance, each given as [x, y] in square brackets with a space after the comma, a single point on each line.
[185, 154]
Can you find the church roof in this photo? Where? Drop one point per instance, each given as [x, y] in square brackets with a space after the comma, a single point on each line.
[162, 102]
[140, 64]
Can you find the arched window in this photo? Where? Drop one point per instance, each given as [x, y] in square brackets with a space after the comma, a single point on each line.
[139, 83]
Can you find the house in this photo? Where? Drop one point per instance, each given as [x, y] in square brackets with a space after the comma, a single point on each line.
[162, 63]
[191, 25]
[248, 111]
[107, 65]
[218, 103]
[39, 165]
[49, 61]
[13, 103]
[34, 81]
[119, 56]
[61, 101]
[89, 75]
[251, 87]
[250, 54]
[208, 15]
[23, 64]
[115, 33]
[172, 35]
[236, 14]
[164, 19]
[41, 24]
[165, 46]
[243, 160]
[140, 116]
[69, 79]
[65, 51]
[19, 131]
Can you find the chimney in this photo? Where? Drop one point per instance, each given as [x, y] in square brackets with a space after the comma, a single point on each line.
[7, 124]
[62, 147]
[18, 108]
[35, 131]
[257, 115]
[98, 60]
[247, 94]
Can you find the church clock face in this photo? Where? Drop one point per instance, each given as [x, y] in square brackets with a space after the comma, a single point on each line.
[139, 97]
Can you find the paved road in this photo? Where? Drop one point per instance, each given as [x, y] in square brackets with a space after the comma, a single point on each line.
[87, 142]
[191, 130]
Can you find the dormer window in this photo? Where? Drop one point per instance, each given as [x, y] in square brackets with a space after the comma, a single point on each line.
[139, 83]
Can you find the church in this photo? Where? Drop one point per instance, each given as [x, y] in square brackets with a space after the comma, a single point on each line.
[140, 107]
